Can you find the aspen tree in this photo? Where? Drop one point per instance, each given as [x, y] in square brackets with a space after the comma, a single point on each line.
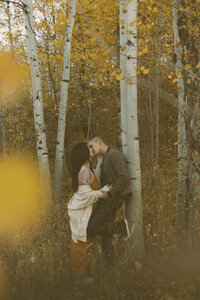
[134, 205]
[63, 103]
[180, 221]
[123, 28]
[42, 151]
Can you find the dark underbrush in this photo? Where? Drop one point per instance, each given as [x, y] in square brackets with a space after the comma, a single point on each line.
[36, 267]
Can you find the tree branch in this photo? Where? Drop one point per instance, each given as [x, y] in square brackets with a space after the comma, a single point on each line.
[182, 68]
[181, 9]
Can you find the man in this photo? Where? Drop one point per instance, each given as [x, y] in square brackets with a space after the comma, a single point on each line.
[113, 172]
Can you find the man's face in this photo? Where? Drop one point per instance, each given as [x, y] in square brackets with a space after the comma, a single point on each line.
[91, 151]
[94, 147]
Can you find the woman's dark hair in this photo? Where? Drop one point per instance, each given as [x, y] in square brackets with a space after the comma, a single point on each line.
[80, 154]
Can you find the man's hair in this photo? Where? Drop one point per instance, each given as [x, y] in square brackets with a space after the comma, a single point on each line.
[96, 139]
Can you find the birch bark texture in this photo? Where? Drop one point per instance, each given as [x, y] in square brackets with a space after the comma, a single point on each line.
[58, 172]
[123, 24]
[129, 115]
[42, 151]
[180, 221]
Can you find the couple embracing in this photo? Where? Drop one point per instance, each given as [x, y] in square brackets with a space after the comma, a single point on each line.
[94, 204]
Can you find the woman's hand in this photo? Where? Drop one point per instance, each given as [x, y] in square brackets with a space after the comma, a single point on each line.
[106, 188]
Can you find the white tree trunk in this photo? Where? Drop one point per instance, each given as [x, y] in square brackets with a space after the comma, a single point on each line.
[89, 116]
[13, 56]
[10, 27]
[151, 125]
[180, 221]
[123, 28]
[42, 151]
[63, 104]
[134, 205]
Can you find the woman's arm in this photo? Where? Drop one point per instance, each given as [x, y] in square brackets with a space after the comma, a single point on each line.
[84, 176]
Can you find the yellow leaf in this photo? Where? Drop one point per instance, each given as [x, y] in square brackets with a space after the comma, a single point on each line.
[123, 48]
[179, 75]
[178, 39]
[175, 144]
[188, 81]
[128, 80]
[145, 50]
[146, 71]
[174, 80]
[187, 67]
[132, 23]
[119, 77]
[129, 32]
[198, 66]
[124, 10]
[170, 76]
[142, 68]
[67, 20]
[138, 265]
[122, 22]
[20, 194]
[139, 53]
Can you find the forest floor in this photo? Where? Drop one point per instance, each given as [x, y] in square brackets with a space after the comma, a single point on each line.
[36, 267]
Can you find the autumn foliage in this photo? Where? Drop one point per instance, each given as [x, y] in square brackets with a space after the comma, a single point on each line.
[34, 246]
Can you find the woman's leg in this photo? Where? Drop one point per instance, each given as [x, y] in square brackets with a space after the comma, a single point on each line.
[82, 259]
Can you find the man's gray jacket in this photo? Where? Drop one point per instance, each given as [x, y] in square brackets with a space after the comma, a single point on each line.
[114, 171]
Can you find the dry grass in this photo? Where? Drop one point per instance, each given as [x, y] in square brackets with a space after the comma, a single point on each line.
[37, 268]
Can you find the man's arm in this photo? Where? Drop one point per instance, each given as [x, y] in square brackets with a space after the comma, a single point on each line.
[119, 166]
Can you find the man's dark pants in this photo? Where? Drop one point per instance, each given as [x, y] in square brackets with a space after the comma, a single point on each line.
[102, 223]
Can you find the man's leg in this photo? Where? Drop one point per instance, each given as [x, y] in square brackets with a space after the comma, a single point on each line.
[107, 244]
[99, 223]
[102, 223]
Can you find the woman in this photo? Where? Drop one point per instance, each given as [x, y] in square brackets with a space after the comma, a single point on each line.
[80, 207]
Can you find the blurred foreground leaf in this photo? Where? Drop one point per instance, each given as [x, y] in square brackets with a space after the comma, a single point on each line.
[20, 199]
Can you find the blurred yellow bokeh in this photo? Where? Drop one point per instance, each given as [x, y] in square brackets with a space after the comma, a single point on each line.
[12, 78]
[20, 198]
